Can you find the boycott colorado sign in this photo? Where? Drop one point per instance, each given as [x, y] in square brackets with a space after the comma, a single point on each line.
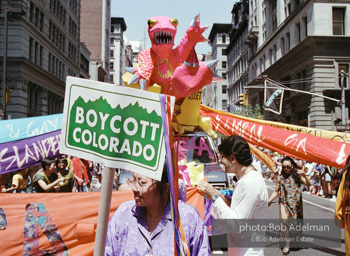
[113, 125]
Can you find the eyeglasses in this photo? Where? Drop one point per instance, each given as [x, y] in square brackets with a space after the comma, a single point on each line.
[134, 185]
[286, 166]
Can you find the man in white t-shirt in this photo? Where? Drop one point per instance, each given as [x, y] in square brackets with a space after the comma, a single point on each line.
[249, 199]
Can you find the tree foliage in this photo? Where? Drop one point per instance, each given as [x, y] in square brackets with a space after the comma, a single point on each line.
[248, 111]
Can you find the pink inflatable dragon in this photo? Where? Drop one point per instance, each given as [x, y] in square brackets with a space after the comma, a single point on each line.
[177, 70]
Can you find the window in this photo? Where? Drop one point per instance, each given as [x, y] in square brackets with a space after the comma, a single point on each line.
[297, 32]
[338, 21]
[34, 93]
[223, 89]
[223, 52]
[287, 42]
[343, 67]
[224, 75]
[223, 38]
[111, 79]
[305, 25]
[112, 54]
[224, 104]
[41, 56]
[282, 46]
[224, 64]
[112, 29]
[112, 66]
[31, 45]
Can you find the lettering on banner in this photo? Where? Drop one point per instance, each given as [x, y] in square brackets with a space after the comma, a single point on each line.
[218, 117]
[34, 150]
[341, 155]
[42, 128]
[12, 133]
[244, 129]
[198, 145]
[36, 218]
[195, 96]
[33, 129]
[293, 141]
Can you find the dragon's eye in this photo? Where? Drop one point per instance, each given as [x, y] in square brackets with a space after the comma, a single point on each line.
[151, 23]
[174, 22]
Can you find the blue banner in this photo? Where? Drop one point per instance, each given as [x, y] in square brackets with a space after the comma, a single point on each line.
[24, 153]
[22, 128]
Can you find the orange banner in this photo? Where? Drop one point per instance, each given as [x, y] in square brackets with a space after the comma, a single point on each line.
[58, 223]
[338, 136]
[291, 143]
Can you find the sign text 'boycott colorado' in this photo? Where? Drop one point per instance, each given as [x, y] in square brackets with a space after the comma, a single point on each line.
[120, 127]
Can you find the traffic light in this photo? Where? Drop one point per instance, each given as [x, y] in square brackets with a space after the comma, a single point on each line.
[8, 95]
[243, 99]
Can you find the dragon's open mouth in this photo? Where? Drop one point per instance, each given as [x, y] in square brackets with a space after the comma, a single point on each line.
[163, 37]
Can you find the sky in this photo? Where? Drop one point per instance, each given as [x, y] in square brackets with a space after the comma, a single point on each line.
[136, 13]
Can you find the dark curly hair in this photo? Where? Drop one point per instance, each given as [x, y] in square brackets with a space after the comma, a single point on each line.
[295, 175]
[237, 146]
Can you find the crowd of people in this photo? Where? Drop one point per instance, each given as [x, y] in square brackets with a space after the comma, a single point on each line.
[149, 215]
[62, 174]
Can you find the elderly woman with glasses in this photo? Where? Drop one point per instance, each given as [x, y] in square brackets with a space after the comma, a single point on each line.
[144, 225]
[288, 189]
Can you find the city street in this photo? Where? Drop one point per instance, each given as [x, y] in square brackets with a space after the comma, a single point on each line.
[314, 208]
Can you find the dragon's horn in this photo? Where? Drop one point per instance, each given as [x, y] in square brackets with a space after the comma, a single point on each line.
[195, 20]
[130, 70]
[134, 79]
[143, 83]
[211, 63]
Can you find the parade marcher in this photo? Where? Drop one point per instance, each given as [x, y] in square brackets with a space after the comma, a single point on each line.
[316, 180]
[19, 182]
[64, 172]
[249, 199]
[342, 206]
[149, 229]
[82, 174]
[288, 189]
[46, 179]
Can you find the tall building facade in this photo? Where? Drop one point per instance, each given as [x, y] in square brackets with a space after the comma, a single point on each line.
[43, 48]
[303, 44]
[238, 54]
[118, 27]
[219, 40]
[95, 33]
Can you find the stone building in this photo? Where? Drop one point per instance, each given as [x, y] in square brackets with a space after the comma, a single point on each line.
[238, 54]
[118, 27]
[216, 94]
[43, 48]
[95, 33]
[303, 45]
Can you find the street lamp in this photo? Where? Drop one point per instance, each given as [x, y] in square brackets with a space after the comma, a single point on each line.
[10, 14]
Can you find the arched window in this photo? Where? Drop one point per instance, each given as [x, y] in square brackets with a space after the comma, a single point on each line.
[34, 94]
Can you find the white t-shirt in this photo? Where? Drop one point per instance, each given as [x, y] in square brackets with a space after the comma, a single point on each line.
[249, 201]
[310, 167]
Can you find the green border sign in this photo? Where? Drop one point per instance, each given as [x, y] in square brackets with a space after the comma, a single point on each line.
[113, 125]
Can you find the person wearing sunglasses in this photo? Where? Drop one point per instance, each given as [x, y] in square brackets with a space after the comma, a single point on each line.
[143, 226]
[290, 194]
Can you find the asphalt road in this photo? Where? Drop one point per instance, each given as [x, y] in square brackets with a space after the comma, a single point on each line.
[314, 208]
